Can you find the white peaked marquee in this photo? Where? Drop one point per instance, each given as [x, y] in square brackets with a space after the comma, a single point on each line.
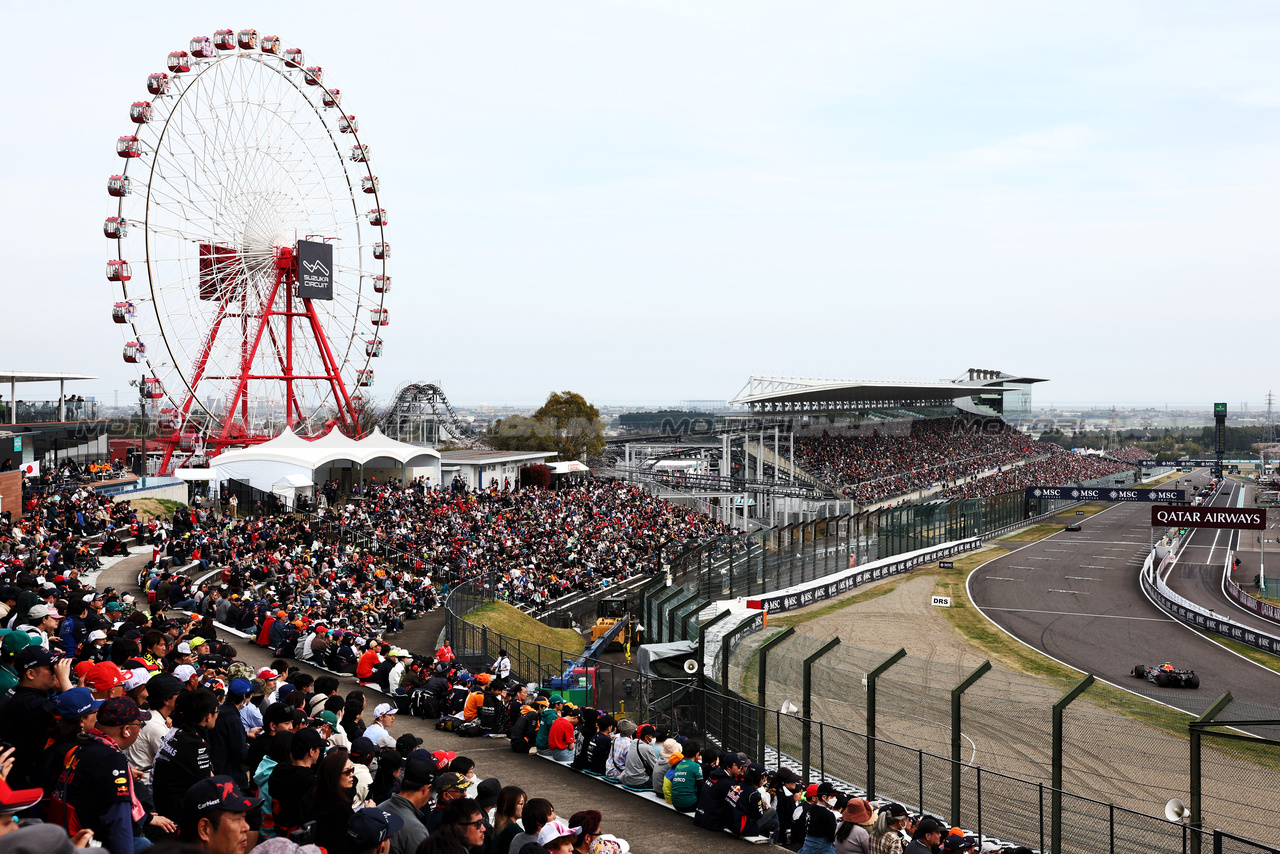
[289, 456]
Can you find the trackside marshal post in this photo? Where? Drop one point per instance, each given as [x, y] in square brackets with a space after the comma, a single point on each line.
[1209, 517]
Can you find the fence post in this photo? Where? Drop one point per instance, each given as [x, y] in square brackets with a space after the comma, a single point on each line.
[678, 603]
[1193, 730]
[702, 644]
[484, 642]
[725, 646]
[956, 693]
[762, 675]
[684, 622]
[871, 717]
[1055, 810]
[660, 609]
[807, 705]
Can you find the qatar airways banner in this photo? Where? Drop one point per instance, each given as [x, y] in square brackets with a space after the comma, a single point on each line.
[1209, 517]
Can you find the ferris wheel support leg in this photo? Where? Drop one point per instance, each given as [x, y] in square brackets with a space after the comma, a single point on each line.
[341, 399]
[239, 397]
[201, 364]
[290, 403]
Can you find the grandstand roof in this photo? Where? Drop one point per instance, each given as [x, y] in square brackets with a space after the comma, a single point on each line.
[774, 394]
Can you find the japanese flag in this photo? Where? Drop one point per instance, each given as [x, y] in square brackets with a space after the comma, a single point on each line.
[30, 469]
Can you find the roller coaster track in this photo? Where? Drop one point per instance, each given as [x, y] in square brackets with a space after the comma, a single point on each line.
[412, 395]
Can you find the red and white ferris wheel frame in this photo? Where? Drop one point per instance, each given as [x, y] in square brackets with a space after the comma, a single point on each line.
[241, 152]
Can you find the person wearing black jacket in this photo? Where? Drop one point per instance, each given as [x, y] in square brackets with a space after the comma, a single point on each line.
[524, 732]
[597, 749]
[28, 713]
[229, 743]
[714, 812]
[183, 758]
[292, 784]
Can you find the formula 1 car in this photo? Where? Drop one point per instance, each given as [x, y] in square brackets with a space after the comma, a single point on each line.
[1167, 676]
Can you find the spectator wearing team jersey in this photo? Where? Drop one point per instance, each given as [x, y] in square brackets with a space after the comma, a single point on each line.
[183, 758]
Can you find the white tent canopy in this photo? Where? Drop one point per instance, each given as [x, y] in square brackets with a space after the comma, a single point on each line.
[291, 458]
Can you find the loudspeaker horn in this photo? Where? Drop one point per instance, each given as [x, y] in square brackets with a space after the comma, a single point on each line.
[789, 708]
[691, 666]
[1176, 810]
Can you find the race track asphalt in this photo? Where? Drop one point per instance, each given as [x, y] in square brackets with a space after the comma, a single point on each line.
[1075, 597]
[1197, 574]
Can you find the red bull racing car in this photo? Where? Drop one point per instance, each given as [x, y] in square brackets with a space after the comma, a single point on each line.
[1167, 676]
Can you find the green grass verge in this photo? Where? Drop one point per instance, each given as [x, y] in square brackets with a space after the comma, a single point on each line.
[1257, 656]
[1089, 510]
[514, 623]
[152, 507]
[1034, 534]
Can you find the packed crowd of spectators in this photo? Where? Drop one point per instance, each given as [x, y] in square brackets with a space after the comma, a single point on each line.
[1130, 455]
[320, 588]
[149, 734]
[63, 529]
[905, 456]
[1060, 468]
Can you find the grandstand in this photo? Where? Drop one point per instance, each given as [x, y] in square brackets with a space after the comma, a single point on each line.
[794, 449]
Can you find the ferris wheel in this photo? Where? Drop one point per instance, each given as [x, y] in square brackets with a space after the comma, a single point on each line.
[249, 247]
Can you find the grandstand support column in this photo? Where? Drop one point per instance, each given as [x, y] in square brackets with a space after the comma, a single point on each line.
[1055, 810]
[807, 707]
[956, 694]
[792, 437]
[871, 717]
[726, 465]
[776, 457]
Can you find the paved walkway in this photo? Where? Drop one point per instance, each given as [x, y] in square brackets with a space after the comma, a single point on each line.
[647, 826]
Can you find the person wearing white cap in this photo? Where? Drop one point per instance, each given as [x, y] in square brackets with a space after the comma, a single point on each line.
[557, 837]
[41, 621]
[95, 648]
[186, 674]
[379, 732]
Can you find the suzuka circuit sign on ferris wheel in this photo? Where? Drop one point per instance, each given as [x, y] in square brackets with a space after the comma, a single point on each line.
[315, 270]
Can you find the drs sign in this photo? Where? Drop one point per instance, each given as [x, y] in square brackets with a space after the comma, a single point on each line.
[315, 270]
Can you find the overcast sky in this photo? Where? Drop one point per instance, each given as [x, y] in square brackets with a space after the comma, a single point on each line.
[651, 201]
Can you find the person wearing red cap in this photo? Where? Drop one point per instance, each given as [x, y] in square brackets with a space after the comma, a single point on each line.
[105, 680]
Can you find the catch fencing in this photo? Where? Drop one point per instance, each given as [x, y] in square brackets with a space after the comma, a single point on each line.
[1048, 763]
[986, 756]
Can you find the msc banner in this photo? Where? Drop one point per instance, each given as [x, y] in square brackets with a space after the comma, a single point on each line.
[1208, 517]
[1104, 493]
[315, 270]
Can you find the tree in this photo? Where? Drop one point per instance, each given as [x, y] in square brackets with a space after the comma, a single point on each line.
[579, 430]
[565, 423]
[535, 475]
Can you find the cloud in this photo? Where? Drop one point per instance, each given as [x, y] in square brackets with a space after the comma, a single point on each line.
[1056, 144]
